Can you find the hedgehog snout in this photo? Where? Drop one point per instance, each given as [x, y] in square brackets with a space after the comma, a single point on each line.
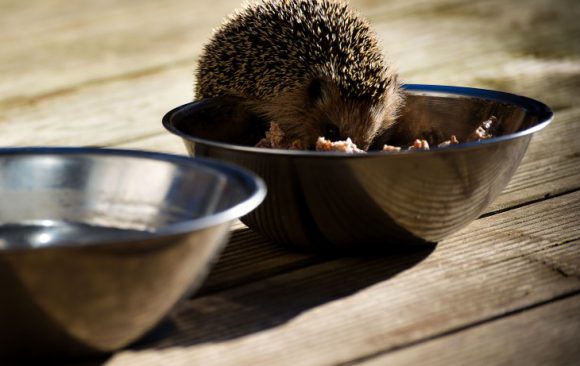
[353, 119]
[332, 132]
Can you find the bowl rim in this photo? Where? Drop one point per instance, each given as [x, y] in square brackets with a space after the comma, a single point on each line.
[255, 186]
[541, 110]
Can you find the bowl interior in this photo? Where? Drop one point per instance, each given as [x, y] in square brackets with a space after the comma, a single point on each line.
[63, 197]
[430, 112]
[434, 113]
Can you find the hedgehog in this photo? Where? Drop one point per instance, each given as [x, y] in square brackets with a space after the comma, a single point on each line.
[314, 67]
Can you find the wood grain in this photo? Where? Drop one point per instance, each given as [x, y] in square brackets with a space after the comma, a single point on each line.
[349, 308]
[250, 257]
[551, 165]
[105, 114]
[56, 47]
[547, 335]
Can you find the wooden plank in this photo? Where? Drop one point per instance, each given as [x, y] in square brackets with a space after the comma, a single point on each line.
[551, 165]
[106, 114]
[158, 141]
[63, 45]
[458, 41]
[250, 257]
[350, 308]
[99, 42]
[547, 335]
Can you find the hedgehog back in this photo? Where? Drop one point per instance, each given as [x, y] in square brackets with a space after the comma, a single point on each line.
[272, 46]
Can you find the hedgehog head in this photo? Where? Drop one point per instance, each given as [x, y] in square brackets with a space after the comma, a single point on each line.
[319, 108]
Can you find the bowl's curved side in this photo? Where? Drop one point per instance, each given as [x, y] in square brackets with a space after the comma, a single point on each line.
[408, 199]
[89, 300]
[379, 202]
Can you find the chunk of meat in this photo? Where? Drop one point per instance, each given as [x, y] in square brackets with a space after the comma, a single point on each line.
[452, 141]
[346, 146]
[484, 131]
[276, 139]
[391, 148]
[419, 145]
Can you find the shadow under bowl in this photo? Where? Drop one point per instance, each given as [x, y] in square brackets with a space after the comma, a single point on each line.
[377, 201]
[97, 245]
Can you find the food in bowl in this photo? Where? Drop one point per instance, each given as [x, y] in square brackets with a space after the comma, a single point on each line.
[275, 139]
[346, 146]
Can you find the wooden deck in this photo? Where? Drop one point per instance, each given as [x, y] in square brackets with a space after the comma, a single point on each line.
[505, 290]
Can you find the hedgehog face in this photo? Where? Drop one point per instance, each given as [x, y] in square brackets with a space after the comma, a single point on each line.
[337, 117]
[317, 108]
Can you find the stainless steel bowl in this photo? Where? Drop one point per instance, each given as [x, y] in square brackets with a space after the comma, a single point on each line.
[377, 200]
[97, 245]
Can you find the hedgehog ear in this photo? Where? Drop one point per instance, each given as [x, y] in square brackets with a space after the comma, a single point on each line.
[227, 118]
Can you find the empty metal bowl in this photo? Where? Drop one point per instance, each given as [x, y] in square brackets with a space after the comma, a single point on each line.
[97, 245]
[379, 200]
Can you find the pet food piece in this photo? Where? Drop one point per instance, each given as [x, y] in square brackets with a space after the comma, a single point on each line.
[276, 139]
[419, 145]
[452, 141]
[273, 139]
[346, 146]
[391, 148]
[484, 130]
